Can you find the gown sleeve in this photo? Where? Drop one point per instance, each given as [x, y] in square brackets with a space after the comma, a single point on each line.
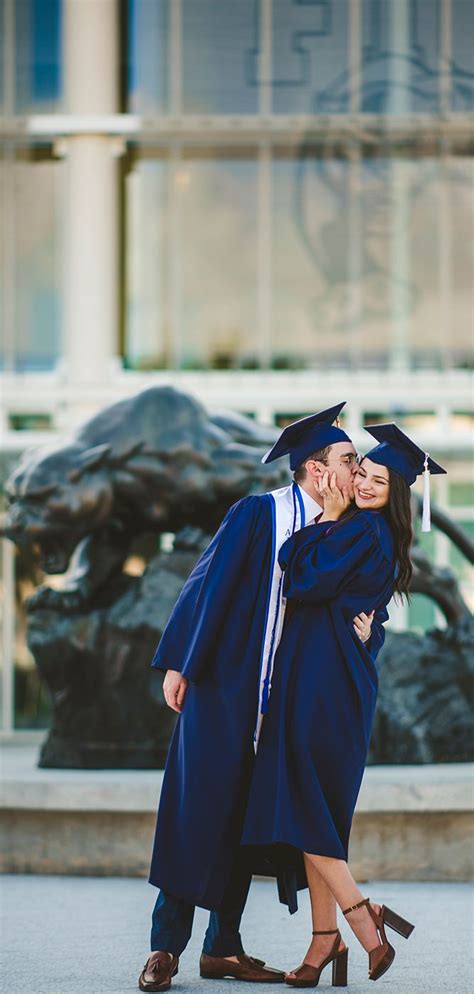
[318, 570]
[194, 623]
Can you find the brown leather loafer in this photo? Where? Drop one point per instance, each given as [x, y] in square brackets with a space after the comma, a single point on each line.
[247, 968]
[158, 972]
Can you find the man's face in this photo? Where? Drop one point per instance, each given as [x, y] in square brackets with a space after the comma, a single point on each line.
[341, 461]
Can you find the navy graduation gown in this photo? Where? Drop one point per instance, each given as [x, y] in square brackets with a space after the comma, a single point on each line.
[315, 737]
[214, 638]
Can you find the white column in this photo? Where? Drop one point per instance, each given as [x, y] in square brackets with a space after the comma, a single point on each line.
[91, 61]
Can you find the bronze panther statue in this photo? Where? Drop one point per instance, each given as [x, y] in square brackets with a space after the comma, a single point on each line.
[155, 462]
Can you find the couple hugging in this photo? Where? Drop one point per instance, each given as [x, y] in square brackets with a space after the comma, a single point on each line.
[270, 660]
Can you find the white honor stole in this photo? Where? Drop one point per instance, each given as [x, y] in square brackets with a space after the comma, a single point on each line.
[291, 508]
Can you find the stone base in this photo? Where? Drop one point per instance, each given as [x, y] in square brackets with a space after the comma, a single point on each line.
[412, 846]
[93, 843]
[411, 822]
[405, 846]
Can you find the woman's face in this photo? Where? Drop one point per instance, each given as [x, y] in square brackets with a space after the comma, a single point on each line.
[371, 485]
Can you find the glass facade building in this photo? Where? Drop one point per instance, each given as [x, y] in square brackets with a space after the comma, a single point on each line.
[268, 202]
[295, 189]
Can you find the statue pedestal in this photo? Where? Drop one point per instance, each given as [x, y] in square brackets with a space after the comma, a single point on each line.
[411, 822]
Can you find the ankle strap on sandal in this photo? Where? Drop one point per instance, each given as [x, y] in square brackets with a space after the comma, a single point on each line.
[355, 906]
[326, 931]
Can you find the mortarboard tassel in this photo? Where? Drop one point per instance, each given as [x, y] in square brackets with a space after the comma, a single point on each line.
[426, 517]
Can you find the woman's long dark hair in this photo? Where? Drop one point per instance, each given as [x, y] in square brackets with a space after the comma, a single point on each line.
[398, 513]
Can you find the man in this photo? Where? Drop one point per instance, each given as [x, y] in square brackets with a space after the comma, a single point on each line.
[218, 650]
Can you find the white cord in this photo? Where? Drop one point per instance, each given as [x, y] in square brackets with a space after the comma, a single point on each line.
[426, 517]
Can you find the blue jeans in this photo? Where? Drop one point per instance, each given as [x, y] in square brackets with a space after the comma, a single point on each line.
[172, 919]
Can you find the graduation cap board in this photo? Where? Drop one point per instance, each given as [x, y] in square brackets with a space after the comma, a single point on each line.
[401, 455]
[300, 439]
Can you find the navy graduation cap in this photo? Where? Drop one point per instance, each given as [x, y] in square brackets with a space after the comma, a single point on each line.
[401, 455]
[300, 439]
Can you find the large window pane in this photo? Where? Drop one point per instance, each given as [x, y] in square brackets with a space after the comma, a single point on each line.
[371, 258]
[30, 214]
[408, 65]
[457, 191]
[462, 27]
[3, 54]
[191, 260]
[37, 55]
[309, 56]
[219, 261]
[303, 58]
[401, 56]
[218, 56]
[331, 263]
[147, 314]
[148, 55]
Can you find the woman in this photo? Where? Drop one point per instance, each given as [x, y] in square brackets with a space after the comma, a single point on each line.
[315, 737]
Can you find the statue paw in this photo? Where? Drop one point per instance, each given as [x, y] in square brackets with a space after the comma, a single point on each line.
[47, 599]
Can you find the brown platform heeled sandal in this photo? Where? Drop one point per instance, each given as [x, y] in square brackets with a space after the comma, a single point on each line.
[383, 955]
[308, 976]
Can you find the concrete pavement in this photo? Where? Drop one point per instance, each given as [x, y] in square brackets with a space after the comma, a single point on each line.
[77, 935]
